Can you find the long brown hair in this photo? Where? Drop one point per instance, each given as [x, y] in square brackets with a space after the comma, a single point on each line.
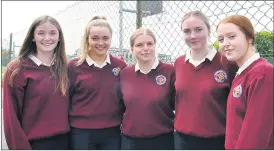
[59, 69]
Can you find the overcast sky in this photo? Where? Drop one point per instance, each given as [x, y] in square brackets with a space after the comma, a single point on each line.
[18, 15]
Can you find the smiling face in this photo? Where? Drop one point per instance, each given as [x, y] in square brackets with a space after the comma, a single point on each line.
[232, 41]
[46, 37]
[99, 40]
[195, 33]
[144, 48]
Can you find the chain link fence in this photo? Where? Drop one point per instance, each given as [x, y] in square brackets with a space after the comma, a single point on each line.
[164, 18]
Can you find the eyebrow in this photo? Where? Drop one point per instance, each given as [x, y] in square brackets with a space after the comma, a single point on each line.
[230, 33]
[41, 30]
[194, 28]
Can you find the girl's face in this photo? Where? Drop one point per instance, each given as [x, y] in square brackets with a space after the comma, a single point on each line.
[46, 37]
[232, 41]
[144, 48]
[195, 33]
[99, 40]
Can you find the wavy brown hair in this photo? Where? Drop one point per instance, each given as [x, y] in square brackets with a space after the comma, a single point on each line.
[59, 69]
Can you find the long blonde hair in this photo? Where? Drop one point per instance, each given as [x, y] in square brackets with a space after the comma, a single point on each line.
[96, 21]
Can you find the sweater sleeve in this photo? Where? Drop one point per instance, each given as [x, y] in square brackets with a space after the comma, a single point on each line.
[257, 128]
[172, 90]
[120, 94]
[12, 110]
[71, 77]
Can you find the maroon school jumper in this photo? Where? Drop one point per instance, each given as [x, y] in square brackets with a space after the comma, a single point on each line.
[32, 108]
[201, 96]
[94, 103]
[148, 100]
[250, 108]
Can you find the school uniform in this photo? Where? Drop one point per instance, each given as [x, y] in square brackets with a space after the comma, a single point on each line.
[250, 107]
[201, 96]
[148, 101]
[95, 115]
[35, 113]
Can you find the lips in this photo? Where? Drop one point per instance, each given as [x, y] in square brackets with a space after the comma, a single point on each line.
[100, 49]
[146, 54]
[46, 44]
[229, 50]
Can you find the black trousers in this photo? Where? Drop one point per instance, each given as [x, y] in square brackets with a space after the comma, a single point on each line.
[162, 142]
[97, 139]
[58, 142]
[189, 142]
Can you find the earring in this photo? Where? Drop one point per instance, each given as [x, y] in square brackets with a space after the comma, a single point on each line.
[33, 40]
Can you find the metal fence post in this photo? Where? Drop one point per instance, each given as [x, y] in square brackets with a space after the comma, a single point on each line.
[10, 47]
[138, 14]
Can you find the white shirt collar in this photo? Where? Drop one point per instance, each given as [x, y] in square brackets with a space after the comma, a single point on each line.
[154, 66]
[91, 62]
[248, 62]
[39, 62]
[210, 55]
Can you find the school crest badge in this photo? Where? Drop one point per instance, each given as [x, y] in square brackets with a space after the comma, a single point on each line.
[116, 71]
[237, 91]
[220, 76]
[160, 79]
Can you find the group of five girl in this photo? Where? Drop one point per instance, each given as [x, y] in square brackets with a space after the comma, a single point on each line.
[222, 99]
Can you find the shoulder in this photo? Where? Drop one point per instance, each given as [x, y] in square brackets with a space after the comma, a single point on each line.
[17, 69]
[262, 68]
[166, 66]
[12, 65]
[117, 62]
[179, 60]
[19, 63]
[72, 63]
[231, 66]
[129, 69]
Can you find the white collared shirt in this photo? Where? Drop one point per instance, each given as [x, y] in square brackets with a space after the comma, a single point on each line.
[154, 66]
[92, 62]
[210, 55]
[39, 62]
[248, 62]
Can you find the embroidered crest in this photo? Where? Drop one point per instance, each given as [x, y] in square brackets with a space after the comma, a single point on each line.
[237, 91]
[116, 71]
[220, 76]
[160, 79]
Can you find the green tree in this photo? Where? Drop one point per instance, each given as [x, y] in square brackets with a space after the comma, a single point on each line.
[264, 45]
[5, 57]
[216, 45]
